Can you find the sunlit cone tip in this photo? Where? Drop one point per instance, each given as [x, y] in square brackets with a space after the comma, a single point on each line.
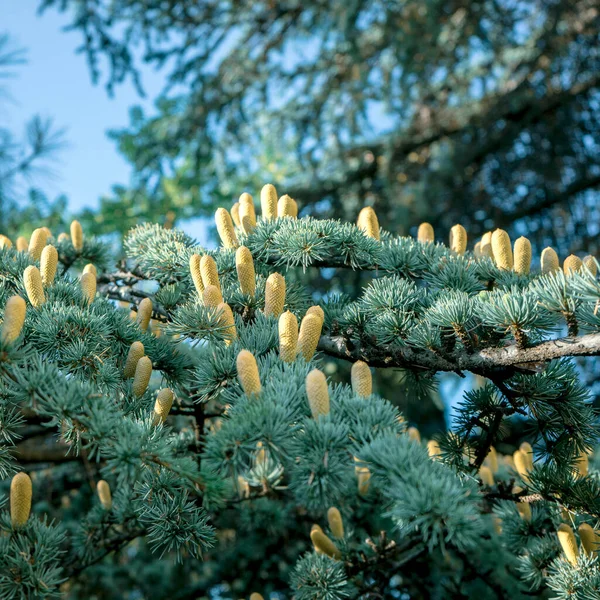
[244, 265]
[104, 494]
[21, 491]
[247, 213]
[502, 250]
[5, 242]
[549, 262]
[136, 351]
[37, 242]
[63, 237]
[34, 286]
[247, 371]
[323, 544]
[268, 201]
[90, 268]
[309, 336]
[208, 271]
[14, 317]
[486, 245]
[425, 233]
[288, 337]
[144, 313]
[589, 262]
[567, 540]
[572, 264]
[88, 286]
[317, 393]
[368, 222]
[225, 228]
[362, 381]
[163, 404]
[522, 464]
[336, 523]
[274, 295]
[48, 264]
[458, 239]
[285, 207]
[141, 378]
[22, 244]
[522, 256]
[77, 235]
[316, 310]
[256, 596]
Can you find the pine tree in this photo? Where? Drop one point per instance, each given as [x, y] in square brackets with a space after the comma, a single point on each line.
[203, 446]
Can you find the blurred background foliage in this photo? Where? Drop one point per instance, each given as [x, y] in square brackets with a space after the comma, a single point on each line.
[484, 113]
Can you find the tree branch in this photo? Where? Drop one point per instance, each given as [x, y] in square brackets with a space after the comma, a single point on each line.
[495, 363]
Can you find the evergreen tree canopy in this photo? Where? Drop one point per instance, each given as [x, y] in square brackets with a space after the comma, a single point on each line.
[419, 109]
[195, 447]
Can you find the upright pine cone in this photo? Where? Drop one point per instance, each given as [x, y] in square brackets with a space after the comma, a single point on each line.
[310, 333]
[287, 207]
[486, 245]
[549, 261]
[502, 250]
[317, 392]
[144, 313]
[362, 382]
[589, 539]
[196, 274]
[63, 237]
[22, 244]
[37, 242]
[274, 295]
[227, 322]
[34, 287]
[225, 228]
[136, 351]
[141, 379]
[523, 464]
[245, 271]
[88, 287]
[77, 236]
[247, 371]
[104, 494]
[324, 545]
[336, 523]
[590, 263]
[367, 221]
[208, 270]
[5, 242]
[425, 233]
[235, 214]
[14, 317]
[256, 596]
[162, 406]
[572, 264]
[522, 256]
[212, 296]
[268, 201]
[247, 213]
[458, 239]
[414, 434]
[20, 499]
[567, 540]
[288, 337]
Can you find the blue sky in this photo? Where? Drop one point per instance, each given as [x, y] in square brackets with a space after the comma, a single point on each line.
[55, 82]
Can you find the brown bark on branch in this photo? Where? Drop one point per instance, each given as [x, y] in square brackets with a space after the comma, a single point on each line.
[495, 363]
